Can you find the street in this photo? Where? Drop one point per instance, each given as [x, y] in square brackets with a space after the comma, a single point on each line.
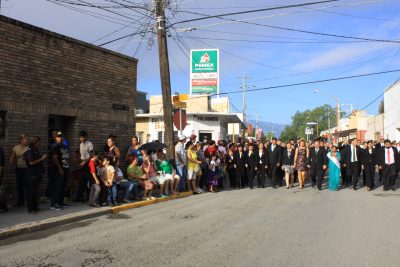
[260, 227]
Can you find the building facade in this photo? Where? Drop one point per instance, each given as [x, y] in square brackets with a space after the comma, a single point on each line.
[207, 118]
[392, 112]
[53, 82]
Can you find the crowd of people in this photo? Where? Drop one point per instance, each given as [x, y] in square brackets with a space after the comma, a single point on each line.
[94, 176]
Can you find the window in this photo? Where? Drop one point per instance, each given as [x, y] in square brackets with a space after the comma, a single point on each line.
[160, 136]
[3, 124]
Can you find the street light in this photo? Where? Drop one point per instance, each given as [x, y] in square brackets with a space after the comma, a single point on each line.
[316, 91]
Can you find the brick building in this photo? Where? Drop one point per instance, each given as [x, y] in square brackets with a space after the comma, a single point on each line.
[49, 81]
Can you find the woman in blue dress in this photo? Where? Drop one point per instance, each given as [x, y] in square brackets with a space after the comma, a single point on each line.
[334, 168]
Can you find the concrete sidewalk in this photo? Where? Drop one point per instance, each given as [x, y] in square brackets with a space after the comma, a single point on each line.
[18, 221]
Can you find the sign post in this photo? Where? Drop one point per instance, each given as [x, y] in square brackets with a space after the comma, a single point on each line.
[204, 71]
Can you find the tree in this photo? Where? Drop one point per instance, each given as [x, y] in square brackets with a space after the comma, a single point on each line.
[382, 107]
[320, 115]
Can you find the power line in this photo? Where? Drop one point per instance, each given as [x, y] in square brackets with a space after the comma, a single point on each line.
[253, 11]
[292, 29]
[317, 81]
[277, 42]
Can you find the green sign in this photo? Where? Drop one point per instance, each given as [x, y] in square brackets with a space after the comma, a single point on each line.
[204, 71]
[204, 61]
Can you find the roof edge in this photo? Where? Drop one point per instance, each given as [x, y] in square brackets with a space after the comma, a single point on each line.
[61, 36]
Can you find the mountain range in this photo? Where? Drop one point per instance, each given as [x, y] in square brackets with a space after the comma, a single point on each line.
[267, 127]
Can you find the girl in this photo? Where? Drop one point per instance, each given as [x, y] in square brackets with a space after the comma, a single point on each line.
[212, 173]
[149, 168]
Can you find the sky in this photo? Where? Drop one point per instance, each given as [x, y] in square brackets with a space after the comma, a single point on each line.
[268, 56]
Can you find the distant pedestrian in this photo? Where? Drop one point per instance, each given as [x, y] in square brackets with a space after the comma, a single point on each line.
[35, 171]
[20, 166]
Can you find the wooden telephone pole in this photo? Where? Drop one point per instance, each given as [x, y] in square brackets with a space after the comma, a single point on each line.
[165, 78]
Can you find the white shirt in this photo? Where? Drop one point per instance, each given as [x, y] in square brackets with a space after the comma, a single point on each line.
[389, 157]
[260, 154]
[84, 149]
[355, 153]
[180, 150]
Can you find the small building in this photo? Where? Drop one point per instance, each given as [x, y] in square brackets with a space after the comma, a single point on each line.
[392, 112]
[49, 81]
[206, 117]
[374, 127]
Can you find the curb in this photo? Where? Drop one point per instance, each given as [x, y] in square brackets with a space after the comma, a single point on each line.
[148, 202]
[26, 228]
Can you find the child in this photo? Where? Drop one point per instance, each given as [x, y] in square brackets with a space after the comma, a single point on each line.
[212, 172]
[149, 169]
[108, 177]
[94, 180]
[168, 172]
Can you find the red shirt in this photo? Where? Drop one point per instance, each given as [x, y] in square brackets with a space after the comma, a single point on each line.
[92, 166]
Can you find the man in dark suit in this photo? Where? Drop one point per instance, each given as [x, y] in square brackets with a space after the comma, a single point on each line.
[368, 165]
[251, 165]
[342, 147]
[262, 165]
[378, 147]
[352, 162]
[317, 163]
[239, 159]
[389, 161]
[275, 158]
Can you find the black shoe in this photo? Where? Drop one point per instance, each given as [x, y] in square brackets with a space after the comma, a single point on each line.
[319, 188]
[355, 189]
[251, 188]
[56, 207]
[64, 206]
[393, 189]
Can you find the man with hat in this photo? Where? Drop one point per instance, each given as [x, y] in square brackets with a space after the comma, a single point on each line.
[181, 161]
[191, 141]
[59, 170]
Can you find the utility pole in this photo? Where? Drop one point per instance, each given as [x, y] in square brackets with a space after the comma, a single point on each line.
[165, 78]
[256, 131]
[244, 105]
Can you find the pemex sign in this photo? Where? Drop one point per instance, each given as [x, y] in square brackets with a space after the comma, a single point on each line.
[204, 71]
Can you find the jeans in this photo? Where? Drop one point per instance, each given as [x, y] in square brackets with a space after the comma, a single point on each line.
[95, 190]
[127, 186]
[112, 194]
[83, 181]
[32, 183]
[182, 171]
[59, 184]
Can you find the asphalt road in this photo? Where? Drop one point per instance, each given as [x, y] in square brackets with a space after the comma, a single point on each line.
[261, 227]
